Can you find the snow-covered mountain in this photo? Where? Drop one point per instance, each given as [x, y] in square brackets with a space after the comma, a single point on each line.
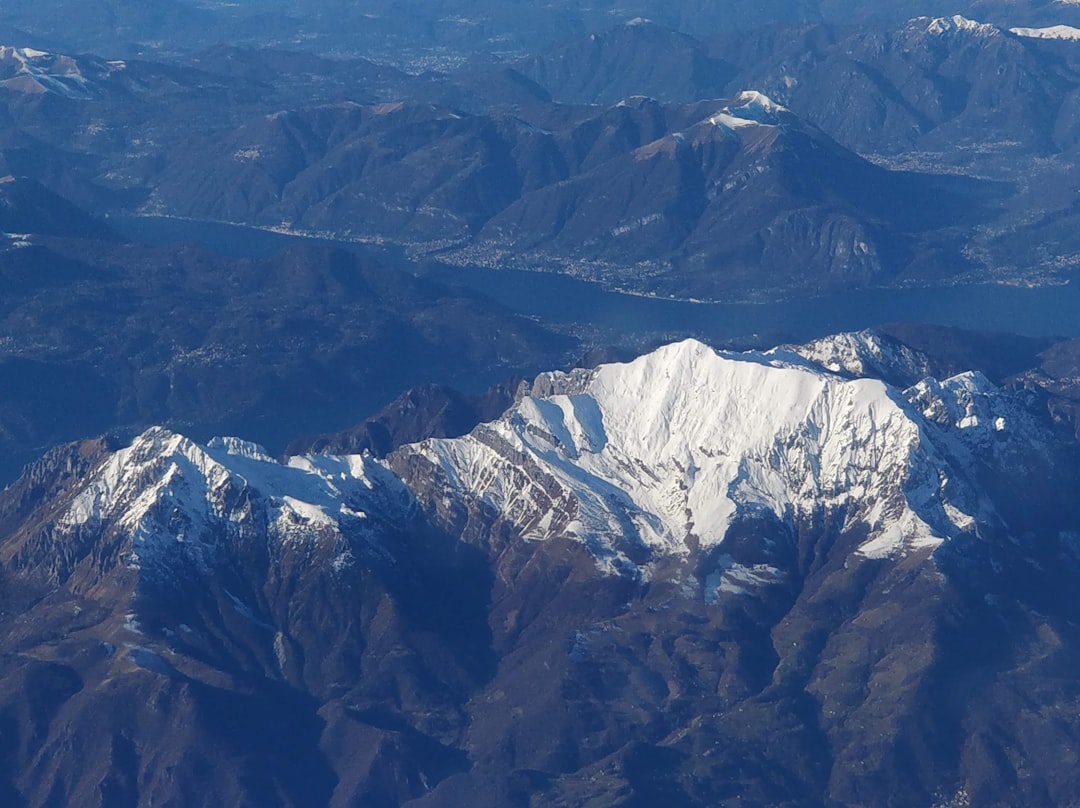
[1050, 32]
[663, 458]
[168, 500]
[27, 70]
[670, 563]
[954, 25]
[671, 452]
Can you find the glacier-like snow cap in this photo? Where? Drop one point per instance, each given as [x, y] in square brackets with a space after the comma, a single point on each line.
[1053, 32]
[749, 108]
[940, 26]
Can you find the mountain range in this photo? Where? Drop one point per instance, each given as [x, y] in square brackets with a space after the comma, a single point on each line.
[700, 577]
[697, 199]
[422, 34]
[561, 161]
[572, 550]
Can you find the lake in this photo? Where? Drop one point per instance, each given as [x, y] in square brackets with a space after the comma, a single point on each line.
[1042, 311]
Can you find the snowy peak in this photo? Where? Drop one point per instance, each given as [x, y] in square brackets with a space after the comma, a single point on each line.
[955, 402]
[1053, 32]
[31, 71]
[974, 415]
[21, 55]
[27, 70]
[943, 26]
[862, 354]
[170, 498]
[677, 449]
[755, 105]
[966, 408]
[749, 108]
[685, 458]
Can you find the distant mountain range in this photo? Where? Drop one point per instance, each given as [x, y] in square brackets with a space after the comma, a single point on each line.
[687, 200]
[934, 85]
[419, 33]
[562, 161]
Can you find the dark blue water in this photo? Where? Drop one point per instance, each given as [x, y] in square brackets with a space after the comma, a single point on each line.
[1036, 312]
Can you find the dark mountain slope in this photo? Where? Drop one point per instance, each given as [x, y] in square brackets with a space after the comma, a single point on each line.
[637, 58]
[691, 200]
[100, 336]
[27, 207]
[932, 85]
[429, 411]
[480, 163]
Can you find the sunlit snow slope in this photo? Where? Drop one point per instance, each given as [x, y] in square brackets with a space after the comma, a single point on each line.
[665, 457]
[677, 446]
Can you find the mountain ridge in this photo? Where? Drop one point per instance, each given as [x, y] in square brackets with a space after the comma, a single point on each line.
[499, 652]
[697, 200]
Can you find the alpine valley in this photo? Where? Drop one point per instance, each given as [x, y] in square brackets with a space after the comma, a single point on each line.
[457, 403]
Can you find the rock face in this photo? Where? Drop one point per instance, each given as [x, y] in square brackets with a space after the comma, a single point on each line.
[697, 578]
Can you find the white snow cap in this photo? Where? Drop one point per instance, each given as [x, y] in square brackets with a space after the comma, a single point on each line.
[749, 108]
[1053, 32]
[955, 23]
[679, 445]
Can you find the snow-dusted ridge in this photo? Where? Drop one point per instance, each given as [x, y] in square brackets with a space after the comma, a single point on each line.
[29, 70]
[32, 71]
[940, 26]
[665, 457]
[859, 354]
[1052, 32]
[165, 490]
[749, 108]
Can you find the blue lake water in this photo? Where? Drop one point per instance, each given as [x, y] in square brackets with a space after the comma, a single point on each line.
[560, 299]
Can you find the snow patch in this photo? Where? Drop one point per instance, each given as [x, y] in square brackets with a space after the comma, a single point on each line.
[940, 26]
[737, 579]
[1053, 32]
[749, 108]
